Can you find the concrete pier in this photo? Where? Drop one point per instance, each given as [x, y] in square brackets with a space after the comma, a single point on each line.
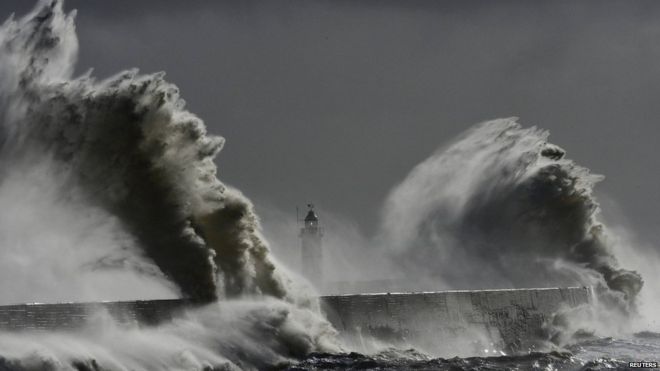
[69, 316]
[509, 320]
[503, 319]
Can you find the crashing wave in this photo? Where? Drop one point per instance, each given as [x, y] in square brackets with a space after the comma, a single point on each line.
[503, 207]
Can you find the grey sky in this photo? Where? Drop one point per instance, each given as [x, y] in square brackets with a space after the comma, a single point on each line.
[335, 101]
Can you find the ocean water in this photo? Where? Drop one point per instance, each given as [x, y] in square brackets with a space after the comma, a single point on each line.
[589, 354]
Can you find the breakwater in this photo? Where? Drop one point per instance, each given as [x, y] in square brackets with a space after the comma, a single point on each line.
[504, 319]
[510, 320]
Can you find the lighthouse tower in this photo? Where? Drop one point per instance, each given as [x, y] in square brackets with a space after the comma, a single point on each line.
[312, 254]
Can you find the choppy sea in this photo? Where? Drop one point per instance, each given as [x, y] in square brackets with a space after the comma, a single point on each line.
[590, 354]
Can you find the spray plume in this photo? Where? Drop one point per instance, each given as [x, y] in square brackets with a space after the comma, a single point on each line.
[129, 147]
[502, 207]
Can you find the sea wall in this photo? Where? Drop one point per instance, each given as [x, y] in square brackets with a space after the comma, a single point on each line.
[448, 320]
[70, 316]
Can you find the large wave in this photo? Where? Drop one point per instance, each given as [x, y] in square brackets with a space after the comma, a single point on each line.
[502, 207]
[128, 146]
[116, 176]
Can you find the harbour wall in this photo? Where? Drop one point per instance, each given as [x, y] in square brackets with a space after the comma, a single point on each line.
[71, 316]
[504, 320]
[449, 322]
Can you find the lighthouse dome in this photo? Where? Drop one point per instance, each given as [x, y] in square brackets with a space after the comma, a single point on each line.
[311, 216]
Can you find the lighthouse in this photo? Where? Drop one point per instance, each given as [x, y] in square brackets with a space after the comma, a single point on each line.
[312, 253]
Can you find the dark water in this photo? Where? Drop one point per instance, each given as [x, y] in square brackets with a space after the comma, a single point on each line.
[591, 354]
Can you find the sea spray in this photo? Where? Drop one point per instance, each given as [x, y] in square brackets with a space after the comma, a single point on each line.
[131, 148]
[502, 207]
[226, 335]
[126, 179]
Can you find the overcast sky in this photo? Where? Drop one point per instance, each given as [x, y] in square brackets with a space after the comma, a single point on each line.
[335, 101]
